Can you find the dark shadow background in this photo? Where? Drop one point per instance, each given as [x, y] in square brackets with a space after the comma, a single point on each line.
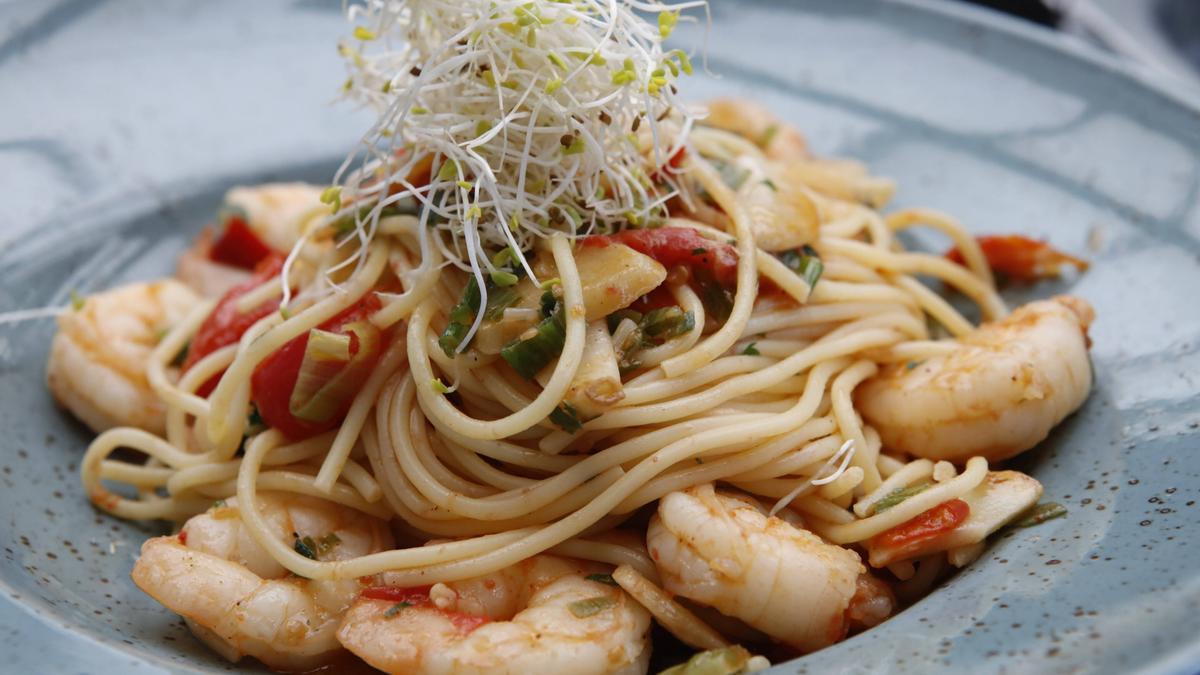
[1032, 10]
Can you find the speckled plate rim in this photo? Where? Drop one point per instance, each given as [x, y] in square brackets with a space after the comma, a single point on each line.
[85, 652]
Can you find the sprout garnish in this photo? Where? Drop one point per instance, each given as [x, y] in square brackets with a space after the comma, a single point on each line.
[540, 117]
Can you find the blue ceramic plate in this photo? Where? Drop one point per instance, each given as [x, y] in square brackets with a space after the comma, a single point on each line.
[122, 123]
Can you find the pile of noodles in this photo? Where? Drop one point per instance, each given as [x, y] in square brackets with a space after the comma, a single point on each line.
[483, 471]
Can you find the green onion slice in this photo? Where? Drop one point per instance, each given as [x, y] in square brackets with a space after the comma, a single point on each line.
[567, 418]
[724, 661]
[1041, 513]
[665, 323]
[528, 356]
[900, 494]
[329, 374]
[804, 262]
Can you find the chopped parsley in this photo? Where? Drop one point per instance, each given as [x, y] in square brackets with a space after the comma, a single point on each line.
[314, 548]
[805, 262]
[567, 418]
[602, 578]
[306, 547]
[396, 609]
[751, 350]
[182, 355]
[665, 323]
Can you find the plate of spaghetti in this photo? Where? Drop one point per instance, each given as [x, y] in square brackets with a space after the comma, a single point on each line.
[615, 337]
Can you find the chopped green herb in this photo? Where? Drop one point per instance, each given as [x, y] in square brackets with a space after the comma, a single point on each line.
[548, 302]
[900, 494]
[500, 299]
[665, 323]
[182, 355]
[219, 504]
[313, 548]
[602, 578]
[912, 364]
[1041, 513]
[528, 356]
[717, 299]
[461, 317]
[306, 547]
[751, 350]
[723, 661]
[699, 251]
[77, 301]
[254, 421]
[804, 262]
[582, 609]
[770, 184]
[396, 609]
[767, 136]
[327, 543]
[567, 418]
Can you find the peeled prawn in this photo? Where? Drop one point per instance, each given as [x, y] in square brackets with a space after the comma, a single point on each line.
[758, 125]
[237, 599]
[542, 615]
[97, 366]
[725, 552]
[999, 392]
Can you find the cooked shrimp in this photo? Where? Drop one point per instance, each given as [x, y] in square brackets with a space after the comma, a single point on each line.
[277, 213]
[97, 366]
[784, 216]
[758, 125]
[542, 615]
[998, 393]
[239, 601]
[723, 551]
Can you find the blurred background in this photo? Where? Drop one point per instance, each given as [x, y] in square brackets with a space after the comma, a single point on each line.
[1161, 35]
